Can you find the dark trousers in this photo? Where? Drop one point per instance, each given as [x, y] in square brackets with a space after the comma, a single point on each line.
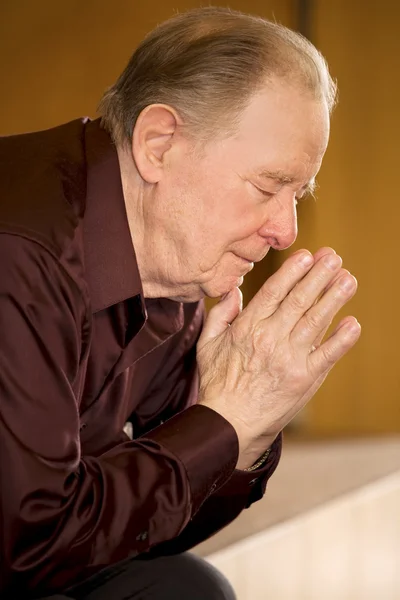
[181, 577]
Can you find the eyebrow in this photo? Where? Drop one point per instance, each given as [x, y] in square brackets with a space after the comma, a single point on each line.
[283, 179]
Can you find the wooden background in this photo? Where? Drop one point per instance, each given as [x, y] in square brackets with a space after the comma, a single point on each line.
[56, 58]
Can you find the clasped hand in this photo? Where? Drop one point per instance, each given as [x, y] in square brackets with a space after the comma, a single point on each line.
[261, 365]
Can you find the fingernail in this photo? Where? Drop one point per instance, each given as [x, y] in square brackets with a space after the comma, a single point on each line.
[353, 327]
[346, 283]
[306, 259]
[332, 261]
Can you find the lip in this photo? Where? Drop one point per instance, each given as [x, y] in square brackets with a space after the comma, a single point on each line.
[253, 260]
[248, 265]
[248, 260]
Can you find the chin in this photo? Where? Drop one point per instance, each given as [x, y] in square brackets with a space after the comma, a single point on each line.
[216, 290]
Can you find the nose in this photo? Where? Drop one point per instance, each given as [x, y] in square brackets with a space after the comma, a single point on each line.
[280, 226]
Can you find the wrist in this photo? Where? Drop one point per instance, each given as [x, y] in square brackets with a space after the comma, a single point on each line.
[260, 452]
[260, 462]
[252, 443]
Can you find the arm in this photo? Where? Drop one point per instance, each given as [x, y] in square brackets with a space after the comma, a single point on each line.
[223, 506]
[176, 386]
[62, 516]
[258, 367]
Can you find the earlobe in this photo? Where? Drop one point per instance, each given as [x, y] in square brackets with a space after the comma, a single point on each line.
[152, 138]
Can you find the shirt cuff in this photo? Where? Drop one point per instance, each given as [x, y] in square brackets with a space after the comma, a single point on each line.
[253, 483]
[206, 444]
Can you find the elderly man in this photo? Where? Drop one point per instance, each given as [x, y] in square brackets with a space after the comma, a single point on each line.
[112, 234]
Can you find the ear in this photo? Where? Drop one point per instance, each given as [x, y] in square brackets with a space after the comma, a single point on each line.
[152, 138]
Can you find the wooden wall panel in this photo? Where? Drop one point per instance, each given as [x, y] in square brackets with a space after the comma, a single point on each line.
[56, 58]
[358, 211]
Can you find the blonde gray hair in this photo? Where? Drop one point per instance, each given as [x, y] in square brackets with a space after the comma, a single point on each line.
[207, 63]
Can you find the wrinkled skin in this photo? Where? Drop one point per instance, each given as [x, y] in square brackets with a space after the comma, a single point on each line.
[259, 367]
[211, 215]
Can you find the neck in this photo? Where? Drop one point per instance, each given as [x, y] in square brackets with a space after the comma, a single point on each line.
[135, 192]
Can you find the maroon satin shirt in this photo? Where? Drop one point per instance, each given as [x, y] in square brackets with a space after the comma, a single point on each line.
[82, 352]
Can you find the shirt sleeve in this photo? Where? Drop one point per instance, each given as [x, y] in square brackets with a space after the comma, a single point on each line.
[223, 506]
[64, 516]
[190, 437]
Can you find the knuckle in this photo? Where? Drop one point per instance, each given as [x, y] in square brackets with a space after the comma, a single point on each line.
[260, 337]
[329, 355]
[297, 376]
[237, 334]
[297, 300]
[313, 320]
[271, 292]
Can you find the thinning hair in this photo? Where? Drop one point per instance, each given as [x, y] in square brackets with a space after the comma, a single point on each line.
[207, 63]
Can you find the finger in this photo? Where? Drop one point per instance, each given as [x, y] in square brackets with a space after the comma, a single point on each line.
[337, 345]
[336, 278]
[221, 316]
[313, 325]
[320, 337]
[321, 252]
[332, 281]
[278, 286]
[306, 292]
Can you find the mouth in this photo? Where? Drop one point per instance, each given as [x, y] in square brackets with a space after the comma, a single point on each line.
[248, 263]
[245, 259]
[251, 261]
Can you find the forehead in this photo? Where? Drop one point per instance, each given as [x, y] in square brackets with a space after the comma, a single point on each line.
[283, 131]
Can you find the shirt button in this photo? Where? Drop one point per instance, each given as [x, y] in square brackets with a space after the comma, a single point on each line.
[142, 537]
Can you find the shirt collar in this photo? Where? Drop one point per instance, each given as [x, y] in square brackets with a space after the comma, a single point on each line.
[110, 262]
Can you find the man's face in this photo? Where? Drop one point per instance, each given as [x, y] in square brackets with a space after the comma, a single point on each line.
[212, 216]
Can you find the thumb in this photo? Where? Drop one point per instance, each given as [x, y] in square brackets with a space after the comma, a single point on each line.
[221, 316]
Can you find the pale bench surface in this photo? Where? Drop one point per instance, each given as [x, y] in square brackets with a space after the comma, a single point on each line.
[309, 475]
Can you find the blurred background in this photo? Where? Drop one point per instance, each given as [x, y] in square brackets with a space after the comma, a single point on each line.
[58, 57]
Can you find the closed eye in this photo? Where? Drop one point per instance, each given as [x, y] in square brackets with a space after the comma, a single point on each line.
[304, 196]
[264, 192]
[270, 194]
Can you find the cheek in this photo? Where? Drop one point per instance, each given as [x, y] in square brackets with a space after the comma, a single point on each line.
[227, 228]
[249, 220]
[218, 211]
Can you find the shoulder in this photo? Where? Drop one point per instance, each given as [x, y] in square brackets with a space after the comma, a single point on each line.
[43, 184]
[30, 274]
